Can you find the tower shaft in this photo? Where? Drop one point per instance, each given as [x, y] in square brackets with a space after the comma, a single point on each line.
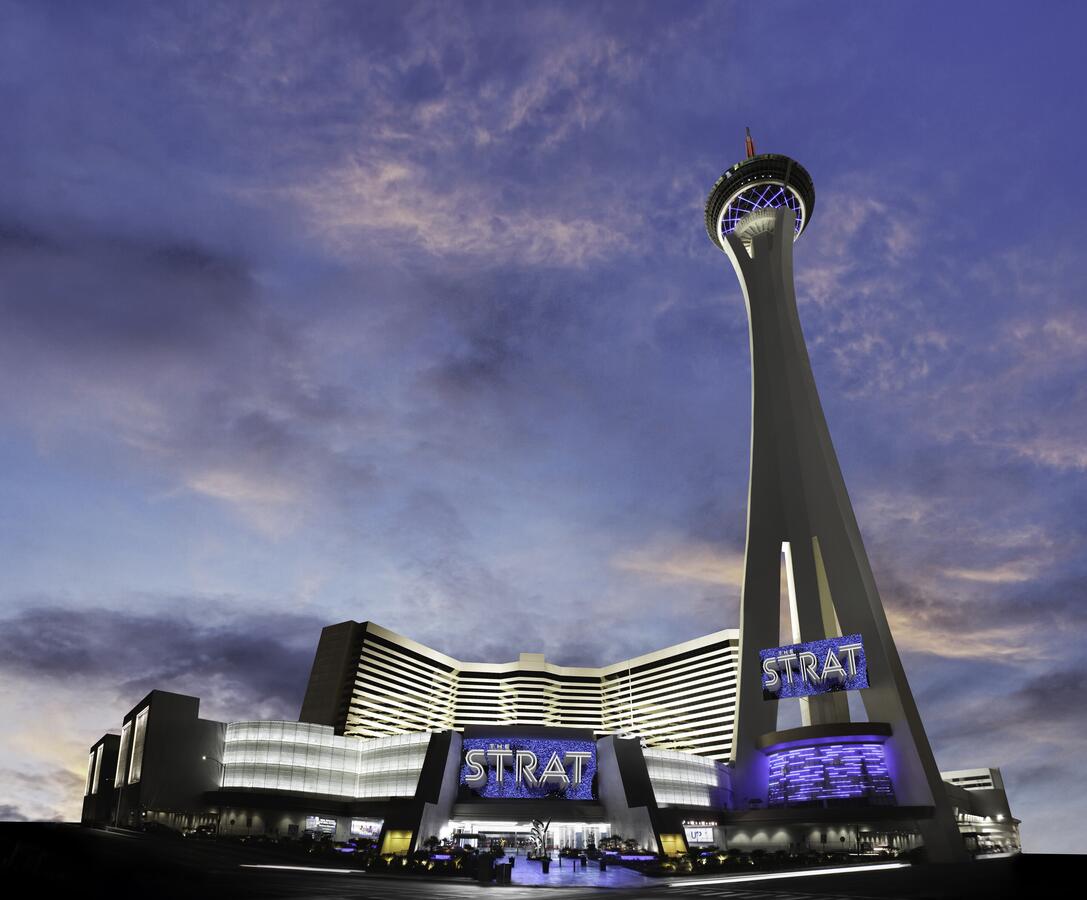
[797, 497]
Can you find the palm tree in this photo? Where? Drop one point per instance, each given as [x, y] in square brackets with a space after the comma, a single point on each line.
[539, 834]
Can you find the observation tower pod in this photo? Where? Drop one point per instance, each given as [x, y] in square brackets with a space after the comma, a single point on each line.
[799, 513]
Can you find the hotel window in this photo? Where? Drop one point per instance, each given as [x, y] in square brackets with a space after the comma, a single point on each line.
[98, 768]
[138, 739]
[90, 772]
[122, 755]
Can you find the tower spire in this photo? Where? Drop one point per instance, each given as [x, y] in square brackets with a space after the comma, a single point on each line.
[749, 144]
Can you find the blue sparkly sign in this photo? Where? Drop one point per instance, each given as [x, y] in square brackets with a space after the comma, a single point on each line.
[817, 667]
[529, 768]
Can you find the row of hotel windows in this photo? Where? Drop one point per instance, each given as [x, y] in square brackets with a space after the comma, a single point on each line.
[397, 692]
[441, 689]
[973, 782]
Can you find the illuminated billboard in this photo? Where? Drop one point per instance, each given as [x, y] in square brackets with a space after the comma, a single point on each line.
[816, 667]
[367, 828]
[323, 824]
[529, 768]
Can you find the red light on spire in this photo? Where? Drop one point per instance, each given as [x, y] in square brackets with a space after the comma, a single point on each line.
[749, 144]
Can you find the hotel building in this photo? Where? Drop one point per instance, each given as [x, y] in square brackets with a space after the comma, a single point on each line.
[677, 748]
[387, 725]
[370, 682]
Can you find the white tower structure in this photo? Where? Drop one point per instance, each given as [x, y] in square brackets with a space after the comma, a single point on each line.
[798, 506]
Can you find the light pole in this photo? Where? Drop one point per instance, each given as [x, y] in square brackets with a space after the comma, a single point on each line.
[222, 769]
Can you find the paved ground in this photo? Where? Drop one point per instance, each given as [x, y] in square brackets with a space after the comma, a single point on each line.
[564, 873]
[87, 863]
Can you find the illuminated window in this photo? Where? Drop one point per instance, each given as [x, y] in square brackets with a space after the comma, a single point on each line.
[138, 739]
[90, 772]
[122, 755]
[97, 768]
[765, 195]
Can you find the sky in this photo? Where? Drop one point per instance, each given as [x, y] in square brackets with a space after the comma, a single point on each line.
[406, 312]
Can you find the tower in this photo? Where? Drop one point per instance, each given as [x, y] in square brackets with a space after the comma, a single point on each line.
[798, 508]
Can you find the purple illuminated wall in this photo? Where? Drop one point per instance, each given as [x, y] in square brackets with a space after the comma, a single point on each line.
[803, 775]
[543, 748]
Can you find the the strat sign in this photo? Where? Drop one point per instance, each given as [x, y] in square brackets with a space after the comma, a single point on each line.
[817, 667]
[529, 767]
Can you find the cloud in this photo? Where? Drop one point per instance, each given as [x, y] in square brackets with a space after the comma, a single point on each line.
[409, 313]
[1010, 573]
[1044, 712]
[11, 813]
[361, 200]
[142, 299]
[246, 666]
[984, 643]
[1010, 620]
[861, 291]
[172, 353]
[691, 562]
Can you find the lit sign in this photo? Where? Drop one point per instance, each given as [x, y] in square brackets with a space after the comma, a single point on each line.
[817, 667]
[320, 823]
[368, 828]
[529, 768]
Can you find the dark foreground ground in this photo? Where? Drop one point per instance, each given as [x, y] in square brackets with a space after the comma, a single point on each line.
[73, 862]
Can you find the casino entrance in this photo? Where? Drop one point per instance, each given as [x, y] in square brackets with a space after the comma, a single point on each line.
[568, 847]
[517, 838]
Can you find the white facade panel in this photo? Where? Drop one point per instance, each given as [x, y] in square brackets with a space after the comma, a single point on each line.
[305, 758]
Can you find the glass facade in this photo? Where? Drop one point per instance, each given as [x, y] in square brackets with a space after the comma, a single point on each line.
[683, 779]
[311, 759]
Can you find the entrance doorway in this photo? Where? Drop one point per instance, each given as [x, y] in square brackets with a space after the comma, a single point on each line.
[516, 837]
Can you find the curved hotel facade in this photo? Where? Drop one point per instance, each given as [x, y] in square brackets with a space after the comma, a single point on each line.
[677, 748]
[368, 681]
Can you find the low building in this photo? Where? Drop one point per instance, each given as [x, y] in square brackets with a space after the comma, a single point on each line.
[99, 797]
[478, 752]
[161, 766]
[982, 811]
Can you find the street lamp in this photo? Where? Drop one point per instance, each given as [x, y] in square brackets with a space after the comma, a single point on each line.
[222, 768]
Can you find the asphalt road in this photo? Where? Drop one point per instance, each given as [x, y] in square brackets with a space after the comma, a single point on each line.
[68, 860]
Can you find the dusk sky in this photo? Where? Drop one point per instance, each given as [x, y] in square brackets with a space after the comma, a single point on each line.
[406, 312]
